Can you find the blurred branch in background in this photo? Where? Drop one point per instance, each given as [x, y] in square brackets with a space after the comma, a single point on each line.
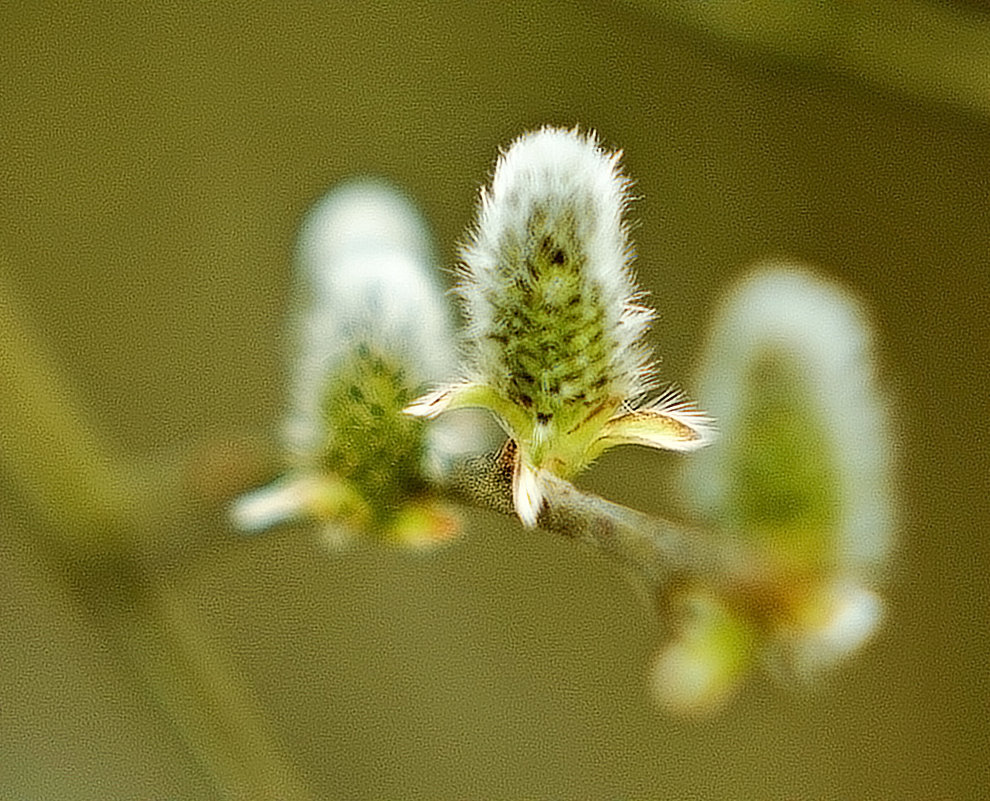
[58, 461]
[118, 534]
[933, 52]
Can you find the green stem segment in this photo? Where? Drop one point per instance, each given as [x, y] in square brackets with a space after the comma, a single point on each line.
[46, 446]
[100, 516]
[164, 642]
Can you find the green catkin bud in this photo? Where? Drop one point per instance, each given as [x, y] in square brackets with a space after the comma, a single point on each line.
[555, 329]
[369, 298]
[700, 670]
[802, 472]
[547, 286]
[372, 331]
[805, 463]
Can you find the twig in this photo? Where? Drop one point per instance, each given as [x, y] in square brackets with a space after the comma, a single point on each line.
[658, 551]
[79, 491]
[164, 642]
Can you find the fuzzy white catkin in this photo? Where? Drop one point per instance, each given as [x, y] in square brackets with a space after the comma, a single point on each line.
[787, 309]
[554, 345]
[367, 271]
[567, 180]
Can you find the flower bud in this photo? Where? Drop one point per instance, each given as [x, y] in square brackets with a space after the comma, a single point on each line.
[555, 332]
[373, 331]
[801, 473]
[804, 464]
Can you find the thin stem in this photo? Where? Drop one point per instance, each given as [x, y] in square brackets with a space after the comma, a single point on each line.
[658, 551]
[46, 446]
[164, 643]
[120, 530]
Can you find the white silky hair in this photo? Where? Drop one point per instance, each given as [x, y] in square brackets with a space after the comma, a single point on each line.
[850, 615]
[368, 276]
[820, 328]
[560, 173]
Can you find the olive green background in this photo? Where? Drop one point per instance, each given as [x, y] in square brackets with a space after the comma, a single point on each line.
[154, 164]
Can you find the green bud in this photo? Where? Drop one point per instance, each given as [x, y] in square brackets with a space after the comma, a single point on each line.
[373, 331]
[555, 336]
[712, 648]
[802, 470]
[804, 461]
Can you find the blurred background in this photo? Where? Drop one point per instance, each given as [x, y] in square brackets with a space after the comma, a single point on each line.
[155, 161]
